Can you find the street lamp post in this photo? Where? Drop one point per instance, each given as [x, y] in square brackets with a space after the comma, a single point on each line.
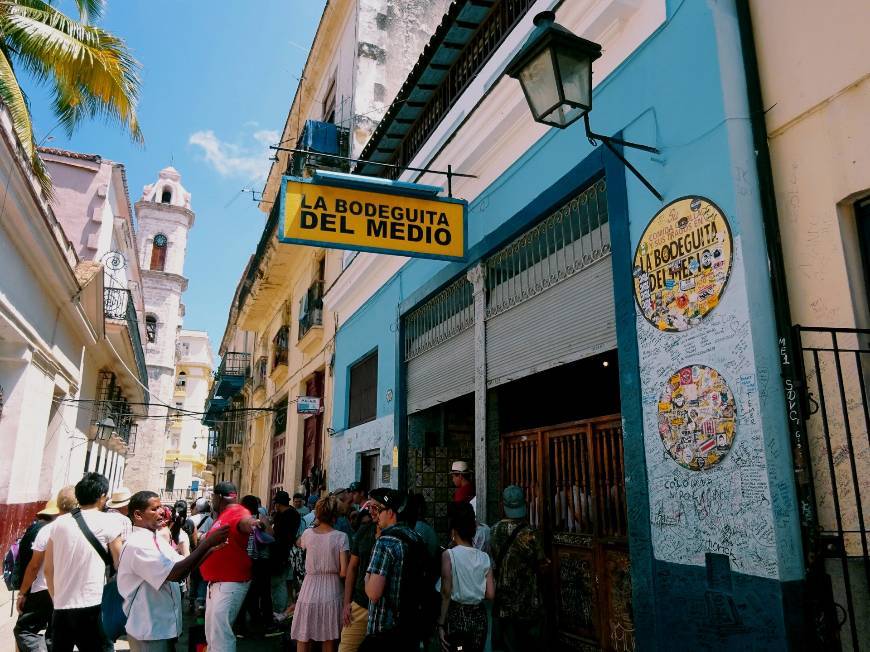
[554, 68]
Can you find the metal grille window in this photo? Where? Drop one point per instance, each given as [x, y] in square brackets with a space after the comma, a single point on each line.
[447, 314]
[363, 391]
[563, 244]
[260, 370]
[280, 344]
[280, 422]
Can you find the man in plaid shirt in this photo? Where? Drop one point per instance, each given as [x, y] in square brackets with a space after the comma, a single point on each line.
[384, 574]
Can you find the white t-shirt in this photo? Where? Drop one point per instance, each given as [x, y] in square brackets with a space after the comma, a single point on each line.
[39, 544]
[470, 567]
[152, 605]
[125, 523]
[79, 572]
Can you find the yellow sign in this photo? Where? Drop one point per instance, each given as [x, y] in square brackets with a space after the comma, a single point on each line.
[682, 263]
[368, 220]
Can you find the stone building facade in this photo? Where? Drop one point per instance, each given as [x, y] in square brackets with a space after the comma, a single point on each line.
[164, 219]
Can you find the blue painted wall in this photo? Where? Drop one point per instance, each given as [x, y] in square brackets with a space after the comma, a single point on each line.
[684, 92]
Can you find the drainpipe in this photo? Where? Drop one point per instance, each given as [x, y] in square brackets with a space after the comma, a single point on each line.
[791, 356]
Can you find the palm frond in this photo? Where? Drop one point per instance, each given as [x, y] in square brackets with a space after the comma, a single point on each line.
[93, 71]
[90, 9]
[13, 97]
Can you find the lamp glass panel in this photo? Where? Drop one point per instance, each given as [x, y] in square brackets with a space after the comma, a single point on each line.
[563, 115]
[538, 78]
[575, 69]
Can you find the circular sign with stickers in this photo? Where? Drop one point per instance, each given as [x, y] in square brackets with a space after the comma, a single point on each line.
[682, 263]
[697, 417]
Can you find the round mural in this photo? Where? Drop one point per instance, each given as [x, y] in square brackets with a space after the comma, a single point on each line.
[697, 417]
[682, 263]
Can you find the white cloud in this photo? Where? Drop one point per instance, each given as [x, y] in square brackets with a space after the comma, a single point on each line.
[267, 137]
[233, 160]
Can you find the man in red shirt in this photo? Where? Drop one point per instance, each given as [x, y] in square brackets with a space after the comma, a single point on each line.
[228, 569]
[461, 477]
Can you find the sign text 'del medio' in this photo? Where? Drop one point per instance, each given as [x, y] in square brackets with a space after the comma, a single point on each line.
[349, 218]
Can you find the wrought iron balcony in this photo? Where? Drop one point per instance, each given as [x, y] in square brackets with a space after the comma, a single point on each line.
[235, 368]
[311, 309]
[281, 347]
[118, 306]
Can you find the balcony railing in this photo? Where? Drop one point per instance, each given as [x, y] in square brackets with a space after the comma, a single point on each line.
[234, 369]
[118, 306]
[407, 126]
[311, 309]
[235, 363]
[281, 347]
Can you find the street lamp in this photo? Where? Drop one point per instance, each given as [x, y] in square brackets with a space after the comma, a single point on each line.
[105, 428]
[554, 68]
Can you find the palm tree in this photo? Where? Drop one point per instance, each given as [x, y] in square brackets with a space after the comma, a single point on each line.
[92, 72]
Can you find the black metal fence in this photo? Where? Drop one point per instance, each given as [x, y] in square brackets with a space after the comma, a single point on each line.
[836, 367]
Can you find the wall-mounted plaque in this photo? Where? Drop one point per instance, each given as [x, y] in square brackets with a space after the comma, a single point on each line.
[682, 263]
[697, 419]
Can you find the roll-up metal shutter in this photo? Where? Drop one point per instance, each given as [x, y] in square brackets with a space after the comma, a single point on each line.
[442, 373]
[439, 347]
[571, 320]
[550, 291]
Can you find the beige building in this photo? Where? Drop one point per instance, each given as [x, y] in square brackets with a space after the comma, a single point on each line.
[186, 441]
[814, 67]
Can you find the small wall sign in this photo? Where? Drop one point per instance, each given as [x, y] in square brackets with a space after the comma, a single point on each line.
[682, 263]
[308, 405]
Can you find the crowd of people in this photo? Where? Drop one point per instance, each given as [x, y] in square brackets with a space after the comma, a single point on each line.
[350, 570]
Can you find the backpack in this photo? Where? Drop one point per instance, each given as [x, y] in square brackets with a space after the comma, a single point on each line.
[19, 555]
[12, 583]
[420, 602]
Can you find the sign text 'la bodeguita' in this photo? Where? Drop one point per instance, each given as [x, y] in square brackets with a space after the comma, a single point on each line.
[386, 222]
[381, 220]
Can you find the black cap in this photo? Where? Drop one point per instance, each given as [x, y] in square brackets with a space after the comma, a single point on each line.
[355, 486]
[226, 489]
[389, 498]
[282, 498]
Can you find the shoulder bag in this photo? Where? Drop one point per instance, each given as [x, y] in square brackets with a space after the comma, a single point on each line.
[112, 605]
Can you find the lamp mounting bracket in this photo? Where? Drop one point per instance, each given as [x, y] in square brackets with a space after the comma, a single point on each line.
[609, 142]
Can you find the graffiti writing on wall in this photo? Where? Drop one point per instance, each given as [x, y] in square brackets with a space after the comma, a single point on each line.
[725, 509]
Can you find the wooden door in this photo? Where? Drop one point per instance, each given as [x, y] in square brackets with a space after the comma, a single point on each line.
[573, 478]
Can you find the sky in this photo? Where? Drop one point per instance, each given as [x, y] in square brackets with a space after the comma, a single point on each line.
[218, 78]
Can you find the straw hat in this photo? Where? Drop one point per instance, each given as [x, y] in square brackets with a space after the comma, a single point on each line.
[459, 467]
[50, 509]
[120, 498]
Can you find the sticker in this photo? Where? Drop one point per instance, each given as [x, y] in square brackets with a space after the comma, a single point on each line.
[697, 417]
[687, 245]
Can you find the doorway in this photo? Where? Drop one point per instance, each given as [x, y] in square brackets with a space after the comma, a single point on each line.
[370, 470]
[574, 480]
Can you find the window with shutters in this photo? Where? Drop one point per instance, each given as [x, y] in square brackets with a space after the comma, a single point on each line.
[363, 391]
